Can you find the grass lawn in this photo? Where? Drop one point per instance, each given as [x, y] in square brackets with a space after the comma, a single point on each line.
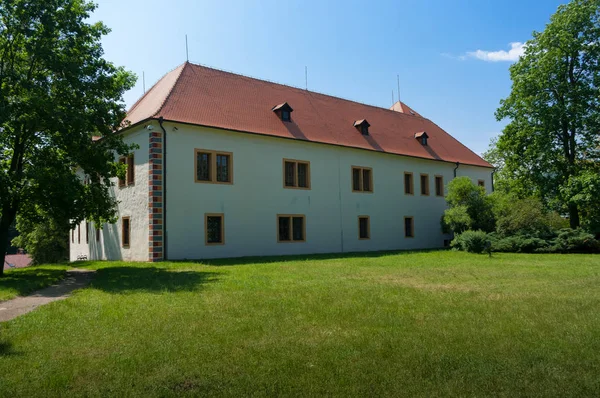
[424, 324]
[21, 281]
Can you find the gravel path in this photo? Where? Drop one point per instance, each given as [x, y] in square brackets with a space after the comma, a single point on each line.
[76, 279]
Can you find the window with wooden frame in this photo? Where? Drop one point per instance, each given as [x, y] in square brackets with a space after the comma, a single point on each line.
[291, 228]
[364, 228]
[439, 186]
[73, 235]
[425, 184]
[409, 186]
[409, 227]
[296, 174]
[97, 234]
[78, 233]
[481, 183]
[87, 233]
[125, 231]
[129, 162]
[362, 179]
[214, 228]
[214, 167]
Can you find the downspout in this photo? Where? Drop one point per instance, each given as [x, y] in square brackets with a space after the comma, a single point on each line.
[164, 192]
[493, 171]
[457, 164]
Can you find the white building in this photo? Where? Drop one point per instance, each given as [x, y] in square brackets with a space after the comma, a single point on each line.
[231, 166]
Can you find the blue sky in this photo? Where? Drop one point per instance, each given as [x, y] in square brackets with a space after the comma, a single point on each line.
[452, 56]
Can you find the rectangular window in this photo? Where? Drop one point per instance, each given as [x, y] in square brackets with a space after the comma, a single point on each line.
[425, 184]
[79, 233]
[129, 163]
[362, 179]
[126, 231]
[73, 235]
[296, 174]
[481, 183]
[213, 166]
[97, 234]
[364, 228]
[87, 233]
[409, 228]
[214, 229]
[223, 167]
[408, 184]
[439, 186]
[122, 181]
[291, 228]
[130, 170]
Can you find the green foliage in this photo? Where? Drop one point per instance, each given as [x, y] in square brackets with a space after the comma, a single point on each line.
[56, 92]
[553, 109]
[469, 207]
[45, 240]
[456, 219]
[525, 216]
[584, 192]
[564, 241]
[518, 244]
[472, 242]
[576, 241]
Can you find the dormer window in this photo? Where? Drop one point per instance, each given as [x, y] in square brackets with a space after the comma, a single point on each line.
[362, 126]
[284, 111]
[422, 137]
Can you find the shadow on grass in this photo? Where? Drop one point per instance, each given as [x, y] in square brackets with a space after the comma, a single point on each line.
[124, 280]
[7, 349]
[26, 280]
[304, 257]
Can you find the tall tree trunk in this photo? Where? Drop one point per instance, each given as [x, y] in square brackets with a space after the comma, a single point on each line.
[574, 216]
[8, 216]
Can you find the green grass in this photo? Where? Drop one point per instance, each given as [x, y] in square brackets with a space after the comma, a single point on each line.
[410, 324]
[22, 281]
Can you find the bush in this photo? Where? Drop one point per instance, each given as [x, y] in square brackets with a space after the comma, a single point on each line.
[456, 219]
[563, 241]
[524, 216]
[518, 244]
[472, 242]
[470, 205]
[46, 242]
[576, 241]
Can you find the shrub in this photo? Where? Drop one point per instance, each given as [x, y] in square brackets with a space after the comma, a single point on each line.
[518, 244]
[472, 242]
[462, 193]
[576, 241]
[456, 219]
[524, 216]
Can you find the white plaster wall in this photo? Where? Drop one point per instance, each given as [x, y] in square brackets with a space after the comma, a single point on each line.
[331, 208]
[132, 202]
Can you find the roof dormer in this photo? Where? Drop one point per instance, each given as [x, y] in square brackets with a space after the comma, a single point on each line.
[362, 126]
[422, 137]
[284, 111]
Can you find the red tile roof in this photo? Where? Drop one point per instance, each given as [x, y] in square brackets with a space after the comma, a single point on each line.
[17, 260]
[203, 96]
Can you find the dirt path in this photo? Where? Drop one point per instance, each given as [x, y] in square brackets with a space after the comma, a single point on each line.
[76, 279]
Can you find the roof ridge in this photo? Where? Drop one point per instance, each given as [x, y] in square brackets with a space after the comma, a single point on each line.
[304, 90]
[162, 104]
[139, 101]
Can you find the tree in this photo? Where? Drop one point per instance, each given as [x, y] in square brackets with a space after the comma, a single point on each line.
[584, 191]
[46, 240]
[554, 107]
[56, 93]
[469, 207]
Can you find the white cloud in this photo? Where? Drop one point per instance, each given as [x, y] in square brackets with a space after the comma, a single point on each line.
[517, 50]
